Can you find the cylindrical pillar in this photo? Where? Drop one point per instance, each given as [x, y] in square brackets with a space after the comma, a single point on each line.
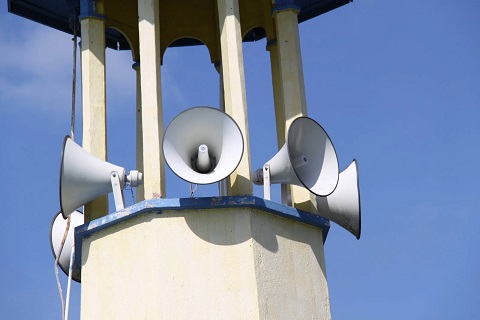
[239, 182]
[94, 94]
[139, 130]
[292, 86]
[151, 99]
[272, 47]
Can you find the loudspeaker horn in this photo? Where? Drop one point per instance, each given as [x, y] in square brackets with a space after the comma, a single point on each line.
[203, 145]
[57, 230]
[343, 205]
[307, 159]
[84, 177]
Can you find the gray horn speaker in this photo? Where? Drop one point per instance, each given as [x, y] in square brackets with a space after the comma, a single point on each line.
[343, 205]
[307, 159]
[84, 177]
[203, 145]
[57, 230]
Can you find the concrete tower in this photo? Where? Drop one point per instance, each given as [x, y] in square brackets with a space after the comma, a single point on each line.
[232, 257]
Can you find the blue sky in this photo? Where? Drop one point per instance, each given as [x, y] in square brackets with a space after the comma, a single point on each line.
[395, 84]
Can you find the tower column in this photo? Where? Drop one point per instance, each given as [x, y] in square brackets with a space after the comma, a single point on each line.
[139, 134]
[293, 97]
[222, 184]
[272, 48]
[235, 98]
[94, 138]
[151, 99]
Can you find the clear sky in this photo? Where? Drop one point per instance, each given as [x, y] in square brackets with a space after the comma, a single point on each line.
[396, 84]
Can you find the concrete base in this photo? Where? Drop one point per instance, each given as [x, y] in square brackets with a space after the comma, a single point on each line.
[209, 258]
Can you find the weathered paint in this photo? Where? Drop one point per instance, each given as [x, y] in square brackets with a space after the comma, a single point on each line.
[204, 258]
[94, 112]
[235, 98]
[180, 204]
[151, 99]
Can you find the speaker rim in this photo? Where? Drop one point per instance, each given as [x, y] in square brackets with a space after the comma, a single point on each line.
[359, 203]
[204, 107]
[61, 174]
[51, 243]
[290, 158]
[324, 208]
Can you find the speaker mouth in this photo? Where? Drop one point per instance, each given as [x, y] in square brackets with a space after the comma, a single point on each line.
[76, 275]
[51, 238]
[343, 206]
[359, 203]
[321, 182]
[203, 126]
[61, 175]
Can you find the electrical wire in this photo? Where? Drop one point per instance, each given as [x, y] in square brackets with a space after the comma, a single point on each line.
[59, 285]
[74, 76]
[193, 189]
[73, 26]
[129, 187]
[70, 272]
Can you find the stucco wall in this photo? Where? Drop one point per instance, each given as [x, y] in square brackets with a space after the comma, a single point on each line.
[237, 263]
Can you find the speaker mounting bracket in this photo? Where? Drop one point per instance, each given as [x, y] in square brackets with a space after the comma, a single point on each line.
[266, 181]
[117, 191]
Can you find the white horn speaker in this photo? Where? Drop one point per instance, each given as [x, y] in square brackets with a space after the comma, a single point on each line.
[84, 177]
[307, 159]
[343, 205]
[57, 230]
[203, 145]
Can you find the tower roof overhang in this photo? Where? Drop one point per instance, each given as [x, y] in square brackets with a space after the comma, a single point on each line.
[59, 14]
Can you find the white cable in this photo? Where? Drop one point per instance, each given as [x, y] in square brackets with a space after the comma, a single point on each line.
[70, 271]
[59, 289]
[193, 189]
[74, 76]
[67, 227]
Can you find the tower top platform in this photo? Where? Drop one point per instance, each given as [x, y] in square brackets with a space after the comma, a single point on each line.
[179, 205]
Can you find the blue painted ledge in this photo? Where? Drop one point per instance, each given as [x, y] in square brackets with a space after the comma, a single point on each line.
[159, 205]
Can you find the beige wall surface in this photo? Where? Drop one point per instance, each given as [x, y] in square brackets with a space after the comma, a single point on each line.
[237, 263]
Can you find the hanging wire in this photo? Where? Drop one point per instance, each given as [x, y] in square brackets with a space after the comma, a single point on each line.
[67, 227]
[70, 273]
[193, 189]
[73, 26]
[129, 187]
